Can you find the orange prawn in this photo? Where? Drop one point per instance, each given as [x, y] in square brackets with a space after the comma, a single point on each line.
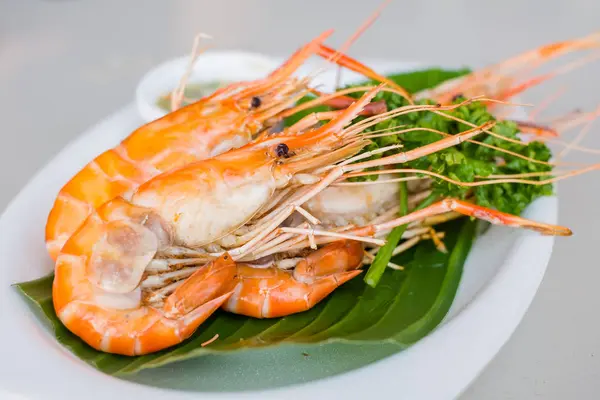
[274, 292]
[229, 118]
[103, 269]
[102, 302]
[501, 81]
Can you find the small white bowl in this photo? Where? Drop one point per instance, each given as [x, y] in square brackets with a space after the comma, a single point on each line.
[219, 65]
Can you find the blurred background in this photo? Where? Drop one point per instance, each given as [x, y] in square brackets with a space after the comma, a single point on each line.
[67, 64]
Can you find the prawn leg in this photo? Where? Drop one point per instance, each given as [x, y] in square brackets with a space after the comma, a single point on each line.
[447, 208]
[315, 118]
[468, 209]
[539, 130]
[343, 101]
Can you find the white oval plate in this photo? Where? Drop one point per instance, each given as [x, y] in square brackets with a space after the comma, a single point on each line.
[501, 276]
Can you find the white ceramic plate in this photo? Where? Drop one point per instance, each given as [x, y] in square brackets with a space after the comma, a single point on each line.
[501, 276]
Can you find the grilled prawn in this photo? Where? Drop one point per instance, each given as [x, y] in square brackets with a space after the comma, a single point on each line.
[229, 118]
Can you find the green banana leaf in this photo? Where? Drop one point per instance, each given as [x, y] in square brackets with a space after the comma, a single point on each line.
[405, 306]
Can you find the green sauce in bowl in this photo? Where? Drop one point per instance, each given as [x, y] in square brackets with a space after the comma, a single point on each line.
[192, 93]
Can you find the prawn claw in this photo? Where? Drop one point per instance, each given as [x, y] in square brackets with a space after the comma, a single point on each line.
[201, 287]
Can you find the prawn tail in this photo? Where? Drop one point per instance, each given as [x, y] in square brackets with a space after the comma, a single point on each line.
[272, 292]
[132, 328]
[201, 287]
[249, 300]
[337, 257]
[162, 336]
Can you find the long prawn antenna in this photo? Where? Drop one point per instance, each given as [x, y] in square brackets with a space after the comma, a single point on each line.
[177, 96]
[344, 48]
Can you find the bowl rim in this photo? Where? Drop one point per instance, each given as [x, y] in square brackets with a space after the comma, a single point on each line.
[165, 76]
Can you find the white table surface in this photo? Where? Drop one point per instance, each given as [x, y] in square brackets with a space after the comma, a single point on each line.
[65, 64]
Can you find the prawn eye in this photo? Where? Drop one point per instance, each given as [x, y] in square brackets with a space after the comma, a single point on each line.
[255, 102]
[282, 150]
